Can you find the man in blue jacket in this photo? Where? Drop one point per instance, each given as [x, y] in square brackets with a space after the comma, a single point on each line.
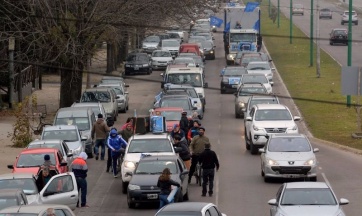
[116, 143]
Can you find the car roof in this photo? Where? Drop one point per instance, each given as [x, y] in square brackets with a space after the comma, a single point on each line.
[306, 185]
[169, 109]
[170, 40]
[60, 127]
[68, 112]
[185, 69]
[88, 104]
[39, 150]
[288, 135]
[258, 62]
[159, 157]
[150, 136]
[264, 97]
[43, 142]
[175, 97]
[271, 106]
[190, 206]
[97, 89]
[248, 85]
[17, 175]
[10, 192]
[35, 209]
[339, 29]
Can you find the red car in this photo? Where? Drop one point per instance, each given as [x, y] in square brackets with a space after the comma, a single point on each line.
[172, 116]
[29, 160]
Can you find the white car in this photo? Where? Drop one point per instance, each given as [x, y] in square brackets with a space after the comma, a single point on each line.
[171, 45]
[266, 119]
[288, 156]
[37, 210]
[122, 95]
[256, 78]
[345, 17]
[261, 67]
[161, 59]
[306, 198]
[148, 144]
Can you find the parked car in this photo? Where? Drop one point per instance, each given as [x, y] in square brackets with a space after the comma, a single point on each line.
[12, 197]
[312, 198]
[262, 67]
[266, 119]
[151, 43]
[345, 17]
[172, 116]
[244, 93]
[143, 186]
[325, 13]
[288, 156]
[298, 9]
[37, 210]
[190, 209]
[122, 95]
[161, 59]
[338, 35]
[97, 108]
[29, 160]
[138, 63]
[171, 45]
[175, 36]
[230, 78]
[244, 57]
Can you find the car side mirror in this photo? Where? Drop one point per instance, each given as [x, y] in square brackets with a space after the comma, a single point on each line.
[206, 85]
[316, 150]
[126, 92]
[343, 201]
[249, 118]
[296, 118]
[83, 138]
[63, 164]
[126, 85]
[185, 172]
[270, 60]
[273, 202]
[214, 46]
[261, 150]
[10, 166]
[70, 154]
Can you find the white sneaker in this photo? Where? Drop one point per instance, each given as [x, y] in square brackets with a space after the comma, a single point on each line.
[116, 176]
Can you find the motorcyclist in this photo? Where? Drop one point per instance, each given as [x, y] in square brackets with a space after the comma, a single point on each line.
[117, 145]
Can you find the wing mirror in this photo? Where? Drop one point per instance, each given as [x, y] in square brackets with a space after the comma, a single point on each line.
[161, 74]
[248, 118]
[206, 85]
[296, 118]
[273, 202]
[126, 85]
[10, 166]
[126, 92]
[343, 201]
[236, 94]
[70, 154]
[261, 150]
[316, 150]
[84, 138]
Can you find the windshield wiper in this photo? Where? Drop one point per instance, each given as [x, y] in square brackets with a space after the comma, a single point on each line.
[142, 173]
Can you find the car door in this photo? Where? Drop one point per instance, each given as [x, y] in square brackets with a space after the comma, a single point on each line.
[248, 123]
[212, 211]
[183, 178]
[61, 190]
[61, 160]
[273, 208]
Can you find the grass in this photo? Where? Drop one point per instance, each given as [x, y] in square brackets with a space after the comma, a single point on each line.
[319, 99]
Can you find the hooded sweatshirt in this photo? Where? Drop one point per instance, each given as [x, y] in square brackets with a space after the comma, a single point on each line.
[115, 141]
[79, 166]
[100, 129]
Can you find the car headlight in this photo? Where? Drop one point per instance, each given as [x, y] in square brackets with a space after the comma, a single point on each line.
[231, 56]
[108, 111]
[256, 128]
[198, 105]
[77, 151]
[129, 164]
[272, 162]
[133, 187]
[121, 101]
[310, 162]
[295, 127]
[213, 26]
[211, 51]
[241, 104]
[128, 65]
[145, 65]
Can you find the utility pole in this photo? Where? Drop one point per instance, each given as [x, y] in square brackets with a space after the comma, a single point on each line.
[349, 51]
[88, 85]
[311, 34]
[11, 71]
[291, 23]
[318, 61]
[278, 13]
[269, 7]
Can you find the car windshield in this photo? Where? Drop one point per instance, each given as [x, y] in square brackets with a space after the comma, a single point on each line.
[96, 96]
[81, 122]
[245, 37]
[161, 54]
[194, 79]
[258, 66]
[198, 60]
[33, 160]
[254, 79]
[298, 6]
[183, 61]
[308, 196]
[273, 115]
[152, 39]
[66, 135]
[233, 72]
[132, 58]
[289, 144]
[340, 32]
[251, 91]
[26, 184]
[205, 35]
[196, 39]
[191, 92]
[246, 60]
[207, 44]
[176, 102]
[149, 145]
[170, 43]
[155, 167]
[255, 102]
[46, 145]
[325, 10]
[174, 35]
[347, 13]
[171, 115]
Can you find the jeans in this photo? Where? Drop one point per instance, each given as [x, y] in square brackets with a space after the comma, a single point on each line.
[100, 143]
[164, 201]
[208, 178]
[109, 159]
[82, 186]
[194, 161]
[115, 156]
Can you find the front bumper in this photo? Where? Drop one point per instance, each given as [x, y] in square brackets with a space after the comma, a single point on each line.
[339, 40]
[144, 196]
[129, 70]
[124, 170]
[149, 50]
[159, 65]
[290, 171]
[229, 87]
[259, 137]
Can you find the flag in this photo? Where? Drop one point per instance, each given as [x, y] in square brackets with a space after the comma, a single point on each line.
[250, 6]
[257, 25]
[231, 4]
[227, 27]
[135, 114]
[215, 21]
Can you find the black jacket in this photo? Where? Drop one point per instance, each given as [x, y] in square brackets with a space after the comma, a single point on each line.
[185, 153]
[209, 160]
[184, 124]
[165, 186]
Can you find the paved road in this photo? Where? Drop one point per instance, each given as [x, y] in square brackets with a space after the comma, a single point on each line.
[239, 188]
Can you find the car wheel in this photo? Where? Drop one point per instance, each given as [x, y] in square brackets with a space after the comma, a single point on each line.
[266, 179]
[356, 23]
[115, 118]
[90, 155]
[330, 17]
[148, 72]
[331, 43]
[222, 91]
[253, 149]
[124, 110]
[237, 115]
[127, 107]
[342, 23]
[180, 197]
[262, 173]
[313, 179]
[186, 196]
[124, 187]
[130, 203]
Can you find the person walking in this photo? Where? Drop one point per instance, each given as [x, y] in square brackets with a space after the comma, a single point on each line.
[185, 152]
[194, 131]
[184, 122]
[116, 144]
[164, 183]
[100, 130]
[208, 160]
[197, 146]
[80, 169]
[126, 133]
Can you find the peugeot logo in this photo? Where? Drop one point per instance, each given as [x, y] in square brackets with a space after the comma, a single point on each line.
[152, 187]
[275, 129]
[291, 162]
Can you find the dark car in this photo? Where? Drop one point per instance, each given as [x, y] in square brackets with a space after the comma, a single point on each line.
[209, 49]
[230, 79]
[325, 13]
[138, 63]
[143, 186]
[190, 209]
[338, 35]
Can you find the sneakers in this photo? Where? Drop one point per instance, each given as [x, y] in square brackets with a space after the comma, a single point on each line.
[85, 206]
[96, 157]
[116, 176]
[210, 194]
[203, 195]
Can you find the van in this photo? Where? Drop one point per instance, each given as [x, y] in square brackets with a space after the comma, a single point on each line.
[83, 118]
[190, 48]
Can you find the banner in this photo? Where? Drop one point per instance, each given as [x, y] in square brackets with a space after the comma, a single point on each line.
[216, 21]
[257, 25]
[250, 6]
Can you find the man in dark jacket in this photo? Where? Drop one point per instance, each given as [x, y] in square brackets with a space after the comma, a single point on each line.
[177, 130]
[185, 153]
[208, 160]
[184, 122]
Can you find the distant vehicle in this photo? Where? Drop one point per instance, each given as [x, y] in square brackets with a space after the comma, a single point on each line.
[195, 97]
[338, 35]
[150, 43]
[36, 210]
[262, 67]
[312, 198]
[190, 209]
[189, 61]
[245, 57]
[161, 59]
[176, 36]
[298, 9]
[163, 36]
[12, 197]
[185, 102]
[97, 108]
[259, 99]
[122, 95]
[230, 78]
[209, 49]
[138, 63]
[325, 13]
[244, 93]
[113, 79]
[256, 78]
[191, 48]
[345, 17]
[171, 45]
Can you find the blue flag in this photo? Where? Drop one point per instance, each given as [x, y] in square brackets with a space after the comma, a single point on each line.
[250, 6]
[227, 27]
[257, 25]
[231, 4]
[215, 21]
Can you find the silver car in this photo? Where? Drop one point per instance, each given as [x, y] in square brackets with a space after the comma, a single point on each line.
[306, 198]
[97, 108]
[171, 45]
[243, 94]
[122, 95]
[37, 210]
[288, 156]
[151, 44]
[161, 59]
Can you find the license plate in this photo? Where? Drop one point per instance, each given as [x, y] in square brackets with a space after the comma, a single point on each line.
[163, 64]
[291, 176]
[152, 196]
[136, 68]
[235, 86]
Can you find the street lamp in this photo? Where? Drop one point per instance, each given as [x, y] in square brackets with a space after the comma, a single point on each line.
[349, 51]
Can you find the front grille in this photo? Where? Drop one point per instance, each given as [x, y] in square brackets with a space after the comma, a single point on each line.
[162, 62]
[276, 130]
[291, 169]
[150, 188]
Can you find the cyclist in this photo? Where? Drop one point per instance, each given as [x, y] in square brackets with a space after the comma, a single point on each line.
[197, 146]
[117, 145]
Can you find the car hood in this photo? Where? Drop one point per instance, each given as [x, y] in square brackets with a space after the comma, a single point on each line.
[107, 105]
[149, 179]
[243, 99]
[171, 48]
[150, 44]
[135, 157]
[33, 170]
[74, 145]
[259, 71]
[274, 124]
[136, 62]
[316, 210]
[287, 156]
[170, 124]
[162, 58]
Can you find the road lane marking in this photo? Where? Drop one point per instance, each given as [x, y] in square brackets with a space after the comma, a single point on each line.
[325, 179]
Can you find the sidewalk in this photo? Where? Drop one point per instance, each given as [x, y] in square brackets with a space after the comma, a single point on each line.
[49, 95]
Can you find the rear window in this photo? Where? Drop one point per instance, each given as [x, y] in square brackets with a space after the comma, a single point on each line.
[149, 146]
[96, 96]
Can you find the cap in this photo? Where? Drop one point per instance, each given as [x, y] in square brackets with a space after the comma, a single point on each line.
[184, 113]
[175, 126]
[46, 157]
[207, 145]
[202, 128]
[100, 115]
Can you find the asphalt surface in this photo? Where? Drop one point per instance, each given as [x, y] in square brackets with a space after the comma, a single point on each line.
[239, 188]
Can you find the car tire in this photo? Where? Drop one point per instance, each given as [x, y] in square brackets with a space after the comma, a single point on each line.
[253, 149]
[330, 17]
[222, 91]
[266, 179]
[115, 118]
[262, 173]
[90, 155]
[131, 204]
[342, 23]
[356, 23]
[124, 187]
[237, 115]
[186, 196]
[180, 197]
[331, 43]
[127, 107]
[313, 179]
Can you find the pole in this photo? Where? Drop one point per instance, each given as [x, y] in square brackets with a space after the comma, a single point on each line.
[278, 13]
[11, 71]
[318, 61]
[311, 34]
[349, 51]
[269, 9]
[291, 22]
[88, 85]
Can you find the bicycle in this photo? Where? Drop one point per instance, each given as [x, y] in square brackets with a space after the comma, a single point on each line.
[198, 174]
[40, 114]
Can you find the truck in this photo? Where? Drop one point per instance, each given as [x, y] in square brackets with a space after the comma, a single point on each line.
[241, 30]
